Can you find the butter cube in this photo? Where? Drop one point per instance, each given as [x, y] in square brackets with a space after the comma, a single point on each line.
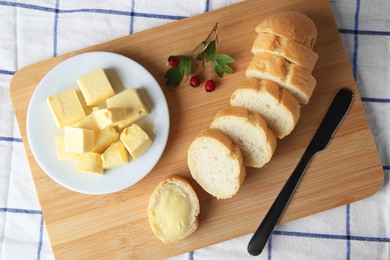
[102, 117]
[105, 138]
[115, 155]
[90, 162]
[118, 113]
[95, 87]
[135, 140]
[66, 107]
[60, 148]
[78, 140]
[88, 122]
[132, 101]
[105, 117]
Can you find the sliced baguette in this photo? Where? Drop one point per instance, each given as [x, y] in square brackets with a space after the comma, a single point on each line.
[292, 51]
[173, 210]
[276, 105]
[250, 132]
[294, 26]
[216, 163]
[293, 77]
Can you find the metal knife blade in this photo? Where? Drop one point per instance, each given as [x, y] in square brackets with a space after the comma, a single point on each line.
[333, 118]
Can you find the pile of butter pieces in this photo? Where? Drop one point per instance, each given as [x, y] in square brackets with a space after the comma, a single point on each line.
[99, 125]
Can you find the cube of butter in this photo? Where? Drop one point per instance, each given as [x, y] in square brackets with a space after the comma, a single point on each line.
[135, 140]
[117, 113]
[79, 140]
[107, 116]
[102, 118]
[95, 87]
[115, 155]
[60, 148]
[104, 139]
[132, 101]
[90, 162]
[66, 107]
[88, 122]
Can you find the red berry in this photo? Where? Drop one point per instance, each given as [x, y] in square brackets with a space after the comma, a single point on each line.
[173, 60]
[194, 81]
[210, 85]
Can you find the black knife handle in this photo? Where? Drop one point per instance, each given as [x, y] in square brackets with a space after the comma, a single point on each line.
[260, 237]
[333, 117]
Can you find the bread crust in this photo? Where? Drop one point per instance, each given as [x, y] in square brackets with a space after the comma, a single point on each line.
[291, 25]
[253, 118]
[152, 202]
[292, 51]
[280, 95]
[293, 77]
[222, 138]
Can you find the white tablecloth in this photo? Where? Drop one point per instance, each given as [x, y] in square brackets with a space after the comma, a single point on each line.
[35, 30]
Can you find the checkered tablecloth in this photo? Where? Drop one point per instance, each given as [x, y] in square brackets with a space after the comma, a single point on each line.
[35, 30]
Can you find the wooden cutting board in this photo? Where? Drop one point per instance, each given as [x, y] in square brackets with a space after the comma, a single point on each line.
[115, 226]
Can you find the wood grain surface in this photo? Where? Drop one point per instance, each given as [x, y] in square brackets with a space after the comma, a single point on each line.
[115, 226]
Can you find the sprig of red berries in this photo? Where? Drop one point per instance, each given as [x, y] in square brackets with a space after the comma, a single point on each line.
[181, 65]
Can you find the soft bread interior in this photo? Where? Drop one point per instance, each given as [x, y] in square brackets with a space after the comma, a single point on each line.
[276, 105]
[249, 136]
[216, 167]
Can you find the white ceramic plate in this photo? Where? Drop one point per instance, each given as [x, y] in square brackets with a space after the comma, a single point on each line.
[41, 128]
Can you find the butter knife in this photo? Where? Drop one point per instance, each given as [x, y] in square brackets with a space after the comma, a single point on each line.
[333, 118]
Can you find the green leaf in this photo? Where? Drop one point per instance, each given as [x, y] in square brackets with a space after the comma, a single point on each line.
[218, 69]
[223, 58]
[220, 61]
[228, 70]
[173, 77]
[210, 50]
[185, 65]
[199, 48]
[200, 56]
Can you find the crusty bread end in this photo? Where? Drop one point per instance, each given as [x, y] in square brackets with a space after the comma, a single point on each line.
[291, 25]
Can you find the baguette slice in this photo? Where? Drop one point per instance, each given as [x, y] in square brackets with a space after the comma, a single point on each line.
[216, 163]
[293, 77]
[291, 25]
[250, 132]
[279, 107]
[173, 210]
[292, 51]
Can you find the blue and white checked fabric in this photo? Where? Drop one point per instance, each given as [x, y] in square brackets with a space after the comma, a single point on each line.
[35, 30]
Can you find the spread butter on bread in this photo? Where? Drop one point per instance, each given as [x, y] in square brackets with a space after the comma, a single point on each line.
[173, 210]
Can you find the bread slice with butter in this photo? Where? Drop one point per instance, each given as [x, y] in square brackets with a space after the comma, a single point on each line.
[216, 163]
[173, 210]
[276, 105]
[250, 132]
